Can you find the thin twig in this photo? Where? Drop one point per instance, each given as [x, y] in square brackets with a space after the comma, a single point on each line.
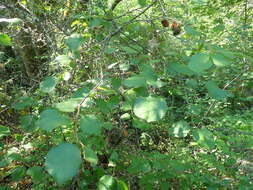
[227, 85]
[85, 97]
[129, 22]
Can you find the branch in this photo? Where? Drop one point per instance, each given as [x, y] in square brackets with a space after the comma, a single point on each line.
[129, 22]
[85, 97]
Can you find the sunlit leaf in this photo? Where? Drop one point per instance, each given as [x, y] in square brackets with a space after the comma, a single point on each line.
[150, 108]
[63, 162]
[50, 119]
[90, 156]
[220, 60]
[63, 60]
[121, 185]
[69, 105]
[5, 40]
[107, 182]
[180, 129]
[204, 137]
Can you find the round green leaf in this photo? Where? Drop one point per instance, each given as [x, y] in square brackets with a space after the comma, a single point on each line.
[63, 162]
[180, 129]
[204, 137]
[23, 102]
[107, 182]
[220, 60]
[48, 84]
[27, 122]
[50, 119]
[150, 108]
[36, 172]
[74, 41]
[90, 125]
[200, 62]
[69, 105]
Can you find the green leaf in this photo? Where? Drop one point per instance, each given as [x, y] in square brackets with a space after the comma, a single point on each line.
[129, 50]
[4, 131]
[150, 108]
[215, 92]
[140, 124]
[107, 182]
[36, 172]
[23, 102]
[192, 83]
[220, 60]
[90, 125]
[200, 62]
[204, 137]
[50, 119]
[5, 40]
[180, 68]
[74, 41]
[63, 60]
[191, 31]
[80, 93]
[27, 122]
[135, 82]
[18, 173]
[125, 116]
[156, 84]
[139, 165]
[121, 185]
[180, 129]
[48, 84]
[63, 162]
[90, 156]
[69, 105]
[142, 2]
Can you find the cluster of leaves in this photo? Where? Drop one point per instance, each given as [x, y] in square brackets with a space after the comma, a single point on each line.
[133, 106]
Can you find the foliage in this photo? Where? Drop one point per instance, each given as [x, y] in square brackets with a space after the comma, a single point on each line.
[117, 101]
